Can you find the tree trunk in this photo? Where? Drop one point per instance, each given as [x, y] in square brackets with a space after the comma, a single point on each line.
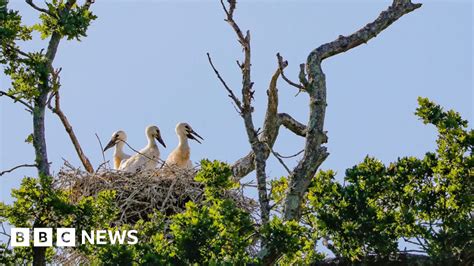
[39, 143]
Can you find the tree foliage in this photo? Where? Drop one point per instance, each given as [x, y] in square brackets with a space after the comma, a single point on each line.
[427, 201]
[38, 200]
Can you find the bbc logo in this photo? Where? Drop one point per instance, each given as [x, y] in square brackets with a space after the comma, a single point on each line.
[43, 237]
[66, 237]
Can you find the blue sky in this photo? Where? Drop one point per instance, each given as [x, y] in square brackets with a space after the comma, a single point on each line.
[144, 62]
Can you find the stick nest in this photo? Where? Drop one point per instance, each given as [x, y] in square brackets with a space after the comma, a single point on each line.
[139, 194]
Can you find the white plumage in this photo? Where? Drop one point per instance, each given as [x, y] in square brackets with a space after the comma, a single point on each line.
[118, 140]
[180, 156]
[148, 157]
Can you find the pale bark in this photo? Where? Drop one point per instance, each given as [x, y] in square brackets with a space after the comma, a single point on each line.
[315, 154]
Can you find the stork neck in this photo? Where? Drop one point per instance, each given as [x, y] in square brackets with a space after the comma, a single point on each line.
[183, 141]
[151, 141]
[119, 148]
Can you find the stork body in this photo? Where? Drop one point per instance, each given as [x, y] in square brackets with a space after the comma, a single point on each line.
[148, 157]
[118, 140]
[180, 156]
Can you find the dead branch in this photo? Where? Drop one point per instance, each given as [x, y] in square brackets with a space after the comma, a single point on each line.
[292, 124]
[258, 147]
[315, 154]
[369, 31]
[280, 159]
[236, 100]
[271, 122]
[16, 167]
[282, 65]
[67, 126]
[101, 149]
[290, 156]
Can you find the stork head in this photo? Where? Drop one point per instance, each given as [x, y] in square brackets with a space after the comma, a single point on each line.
[154, 131]
[184, 129]
[117, 137]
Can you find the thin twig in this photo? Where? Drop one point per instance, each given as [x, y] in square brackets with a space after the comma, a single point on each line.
[170, 191]
[290, 156]
[279, 159]
[101, 147]
[236, 100]
[149, 158]
[16, 167]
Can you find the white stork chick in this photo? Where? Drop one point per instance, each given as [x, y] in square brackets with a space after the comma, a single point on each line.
[147, 158]
[180, 155]
[118, 140]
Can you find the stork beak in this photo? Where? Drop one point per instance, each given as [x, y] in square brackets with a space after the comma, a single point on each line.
[160, 140]
[193, 135]
[111, 143]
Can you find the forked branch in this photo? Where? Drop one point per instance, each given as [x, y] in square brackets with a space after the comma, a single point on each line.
[315, 153]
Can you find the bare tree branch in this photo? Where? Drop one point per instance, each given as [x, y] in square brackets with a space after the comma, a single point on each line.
[67, 126]
[371, 30]
[280, 159]
[16, 99]
[282, 65]
[245, 165]
[292, 124]
[290, 156]
[229, 90]
[16, 167]
[271, 121]
[258, 147]
[101, 149]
